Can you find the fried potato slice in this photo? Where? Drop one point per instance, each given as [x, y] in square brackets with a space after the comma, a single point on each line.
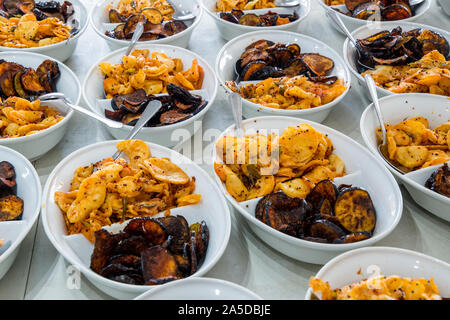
[299, 144]
[263, 186]
[296, 188]
[166, 171]
[136, 150]
[411, 156]
[320, 173]
[90, 197]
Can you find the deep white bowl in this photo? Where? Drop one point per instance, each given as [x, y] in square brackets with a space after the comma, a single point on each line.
[36, 145]
[62, 50]
[349, 50]
[230, 30]
[353, 23]
[93, 90]
[29, 190]
[359, 264]
[199, 289]
[99, 17]
[77, 250]
[363, 170]
[395, 109]
[231, 52]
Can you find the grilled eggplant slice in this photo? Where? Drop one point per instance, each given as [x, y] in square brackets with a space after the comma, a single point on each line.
[352, 4]
[353, 237]
[325, 189]
[439, 40]
[282, 57]
[131, 24]
[325, 207]
[318, 64]
[151, 229]
[396, 11]
[365, 10]
[7, 179]
[227, 16]
[115, 16]
[132, 245]
[127, 260]
[183, 95]
[18, 85]
[30, 82]
[158, 264]
[250, 19]
[355, 210]
[325, 229]
[173, 116]
[199, 241]
[7, 83]
[184, 261]
[134, 102]
[237, 13]
[294, 68]
[178, 230]
[104, 246]
[294, 49]
[174, 27]
[113, 270]
[11, 208]
[152, 15]
[251, 68]
[439, 181]
[130, 119]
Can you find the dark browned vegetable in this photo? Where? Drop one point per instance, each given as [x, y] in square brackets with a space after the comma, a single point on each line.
[325, 229]
[251, 68]
[131, 24]
[365, 10]
[250, 19]
[177, 230]
[30, 82]
[174, 27]
[294, 49]
[228, 16]
[173, 116]
[104, 246]
[323, 190]
[7, 175]
[7, 84]
[18, 85]
[353, 237]
[318, 64]
[158, 264]
[396, 11]
[152, 15]
[355, 210]
[439, 181]
[133, 102]
[352, 4]
[26, 6]
[115, 16]
[294, 68]
[199, 241]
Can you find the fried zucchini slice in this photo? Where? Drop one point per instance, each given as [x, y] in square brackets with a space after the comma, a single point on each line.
[11, 208]
[355, 210]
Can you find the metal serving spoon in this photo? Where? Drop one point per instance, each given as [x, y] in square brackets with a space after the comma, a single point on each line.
[61, 97]
[180, 14]
[286, 3]
[236, 107]
[382, 148]
[334, 16]
[151, 109]
[136, 36]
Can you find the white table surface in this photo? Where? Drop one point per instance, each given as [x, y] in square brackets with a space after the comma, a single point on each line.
[41, 273]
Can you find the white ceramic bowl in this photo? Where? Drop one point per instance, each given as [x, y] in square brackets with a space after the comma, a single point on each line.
[77, 250]
[360, 264]
[368, 30]
[231, 52]
[29, 190]
[36, 145]
[363, 170]
[199, 289]
[230, 30]
[62, 50]
[353, 23]
[395, 109]
[164, 135]
[99, 16]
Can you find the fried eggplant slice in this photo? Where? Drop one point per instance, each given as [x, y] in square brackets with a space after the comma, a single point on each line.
[177, 230]
[199, 241]
[355, 210]
[152, 230]
[7, 84]
[30, 82]
[133, 245]
[282, 211]
[7, 175]
[11, 208]
[318, 64]
[250, 19]
[115, 16]
[251, 68]
[104, 246]
[227, 16]
[157, 264]
[152, 15]
[439, 181]
[396, 11]
[127, 260]
[113, 270]
[325, 189]
[133, 102]
[353, 237]
[325, 229]
[184, 261]
[294, 68]
[129, 279]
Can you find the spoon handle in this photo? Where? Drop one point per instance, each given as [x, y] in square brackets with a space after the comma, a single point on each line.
[333, 15]
[373, 94]
[151, 109]
[236, 107]
[136, 35]
[108, 122]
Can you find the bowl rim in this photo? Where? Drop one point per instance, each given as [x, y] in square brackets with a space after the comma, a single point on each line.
[427, 4]
[376, 249]
[402, 177]
[348, 47]
[96, 278]
[304, 243]
[255, 28]
[59, 44]
[167, 40]
[284, 112]
[148, 295]
[173, 126]
[36, 211]
[67, 117]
